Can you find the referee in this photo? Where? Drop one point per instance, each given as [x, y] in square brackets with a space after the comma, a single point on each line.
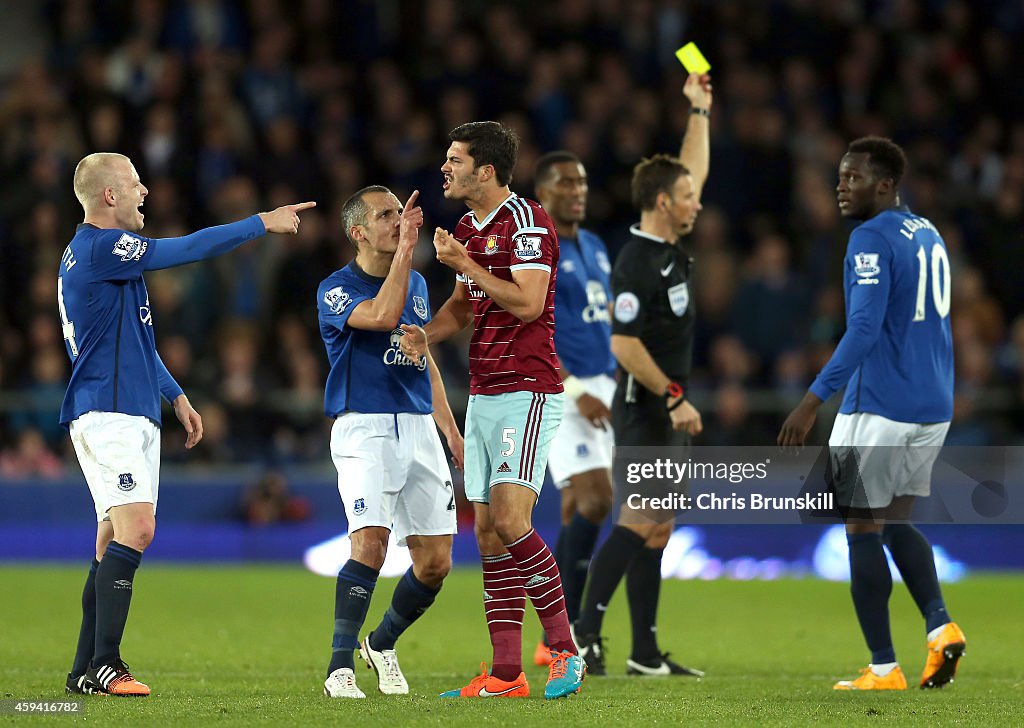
[652, 339]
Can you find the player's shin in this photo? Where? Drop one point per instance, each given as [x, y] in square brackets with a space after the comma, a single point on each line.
[87, 634]
[353, 591]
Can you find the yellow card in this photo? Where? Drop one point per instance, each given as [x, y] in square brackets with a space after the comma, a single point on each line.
[692, 59]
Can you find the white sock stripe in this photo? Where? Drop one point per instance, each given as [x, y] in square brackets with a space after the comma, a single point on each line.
[518, 577]
[491, 574]
[498, 558]
[491, 613]
[507, 599]
[553, 602]
[535, 597]
[505, 621]
[541, 552]
[519, 540]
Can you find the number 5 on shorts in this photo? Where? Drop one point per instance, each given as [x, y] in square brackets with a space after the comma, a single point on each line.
[506, 439]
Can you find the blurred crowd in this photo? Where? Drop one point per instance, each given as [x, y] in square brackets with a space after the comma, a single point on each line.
[228, 107]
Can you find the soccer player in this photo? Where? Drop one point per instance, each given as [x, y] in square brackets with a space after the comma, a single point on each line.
[505, 254]
[112, 405]
[392, 473]
[896, 361]
[652, 339]
[581, 452]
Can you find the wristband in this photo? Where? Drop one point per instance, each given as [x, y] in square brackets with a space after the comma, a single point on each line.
[675, 404]
[673, 390]
[573, 388]
[706, 113]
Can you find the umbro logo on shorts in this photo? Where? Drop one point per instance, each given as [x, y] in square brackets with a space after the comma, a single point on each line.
[125, 481]
[123, 584]
[504, 468]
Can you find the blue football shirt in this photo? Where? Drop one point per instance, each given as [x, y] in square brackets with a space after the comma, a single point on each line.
[583, 326]
[369, 372]
[896, 357]
[108, 326]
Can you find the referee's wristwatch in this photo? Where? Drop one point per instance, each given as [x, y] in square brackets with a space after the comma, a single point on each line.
[675, 391]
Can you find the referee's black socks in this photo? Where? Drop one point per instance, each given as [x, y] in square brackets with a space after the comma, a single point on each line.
[606, 570]
[643, 588]
[114, 578]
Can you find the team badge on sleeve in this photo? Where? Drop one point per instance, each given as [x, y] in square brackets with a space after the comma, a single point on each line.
[627, 307]
[359, 507]
[129, 248]
[865, 265]
[527, 247]
[419, 307]
[337, 300]
[125, 482]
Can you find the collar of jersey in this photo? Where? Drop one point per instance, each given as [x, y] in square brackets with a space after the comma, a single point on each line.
[363, 274]
[635, 230]
[482, 225]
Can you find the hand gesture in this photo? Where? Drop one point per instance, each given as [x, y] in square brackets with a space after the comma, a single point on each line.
[413, 342]
[284, 219]
[686, 417]
[450, 251]
[190, 420]
[594, 411]
[412, 221]
[698, 90]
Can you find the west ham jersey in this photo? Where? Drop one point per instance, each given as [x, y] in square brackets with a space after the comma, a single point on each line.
[507, 354]
[583, 325]
[896, 357]
[369, 372]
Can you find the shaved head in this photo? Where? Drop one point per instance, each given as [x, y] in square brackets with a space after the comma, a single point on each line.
[110, 191]
[98, 171]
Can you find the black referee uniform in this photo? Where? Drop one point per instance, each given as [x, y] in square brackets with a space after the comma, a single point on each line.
[653, 302]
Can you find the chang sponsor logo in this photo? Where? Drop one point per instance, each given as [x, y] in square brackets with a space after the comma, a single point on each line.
[394, 357]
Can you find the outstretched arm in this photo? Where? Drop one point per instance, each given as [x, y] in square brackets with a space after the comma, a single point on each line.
[219, 239]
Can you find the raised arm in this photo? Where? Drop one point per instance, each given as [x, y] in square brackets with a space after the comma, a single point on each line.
[383, 312]
[695, 151]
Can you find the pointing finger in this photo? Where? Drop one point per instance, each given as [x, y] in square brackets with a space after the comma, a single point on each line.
[302, 206]
[412, 200]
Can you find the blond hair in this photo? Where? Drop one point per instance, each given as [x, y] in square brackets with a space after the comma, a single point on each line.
[94, 174]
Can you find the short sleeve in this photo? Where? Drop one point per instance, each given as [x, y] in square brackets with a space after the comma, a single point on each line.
[120, 256]
[533, 241]
[336, 300]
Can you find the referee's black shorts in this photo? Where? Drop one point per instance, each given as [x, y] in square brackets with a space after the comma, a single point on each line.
[641, 420]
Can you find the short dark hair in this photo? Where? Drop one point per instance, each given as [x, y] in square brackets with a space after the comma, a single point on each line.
[353, 212]
[885, 157]
[545, 164]
[489, 143]
[653, 175]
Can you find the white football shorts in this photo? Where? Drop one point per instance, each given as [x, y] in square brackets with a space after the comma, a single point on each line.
[891, 458]
[578, 446]
[120, 457]
[392, 472]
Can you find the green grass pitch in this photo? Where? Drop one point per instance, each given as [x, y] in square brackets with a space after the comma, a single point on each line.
[240, 646]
